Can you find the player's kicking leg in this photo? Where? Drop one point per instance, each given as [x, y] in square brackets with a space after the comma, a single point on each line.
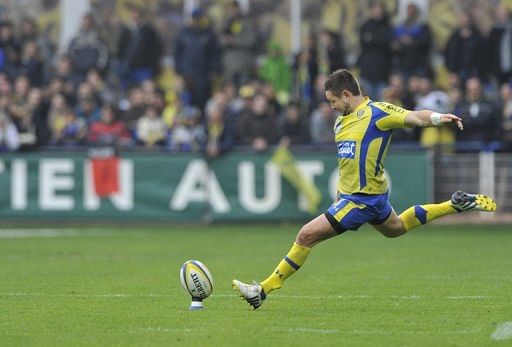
[317, 230]
[418, 215]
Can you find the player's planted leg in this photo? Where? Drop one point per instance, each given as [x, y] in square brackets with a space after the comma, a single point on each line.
[317, 230]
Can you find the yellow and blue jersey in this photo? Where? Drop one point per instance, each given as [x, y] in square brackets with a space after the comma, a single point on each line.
[362, 140]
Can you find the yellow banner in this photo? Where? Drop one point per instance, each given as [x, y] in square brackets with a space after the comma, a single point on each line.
[284, 160]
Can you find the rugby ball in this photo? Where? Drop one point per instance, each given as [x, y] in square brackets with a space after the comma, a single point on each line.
[196, 279]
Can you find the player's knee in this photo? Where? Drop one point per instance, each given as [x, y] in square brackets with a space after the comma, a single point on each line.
[307, 236]
[395, 230]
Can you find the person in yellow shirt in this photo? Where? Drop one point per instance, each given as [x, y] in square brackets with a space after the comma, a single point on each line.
[362, 134]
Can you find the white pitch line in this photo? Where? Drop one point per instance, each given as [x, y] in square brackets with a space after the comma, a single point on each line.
[405, 297]
[311, 330]
[168, 330]
[25, 233]
[502, 332]
[88, 295]
[278, 296]
[377, 332]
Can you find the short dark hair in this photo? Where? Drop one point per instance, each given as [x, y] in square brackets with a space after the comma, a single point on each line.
[341, 80]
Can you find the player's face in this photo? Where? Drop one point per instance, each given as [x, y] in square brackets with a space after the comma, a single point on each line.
[340, 104]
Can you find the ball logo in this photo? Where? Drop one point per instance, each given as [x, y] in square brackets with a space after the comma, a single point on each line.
[198, 285]
[346, 149]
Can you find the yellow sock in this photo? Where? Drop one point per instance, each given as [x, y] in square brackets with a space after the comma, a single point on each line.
[421, 214]
[287, 267]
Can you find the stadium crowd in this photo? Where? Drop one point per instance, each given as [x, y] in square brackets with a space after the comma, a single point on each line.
[226, 91]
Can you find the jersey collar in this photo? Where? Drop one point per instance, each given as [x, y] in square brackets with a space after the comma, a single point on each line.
[363, 104]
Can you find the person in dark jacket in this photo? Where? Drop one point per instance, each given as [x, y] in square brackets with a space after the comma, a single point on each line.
[86, 50]
[9, 50]
[411, 44]
[333, 45]
[305, 71]
[31, 63]
[238, 41]
[375, 60]
[259, 126]
[500, 45]
[481, 116]
[292, 125]
[464, 52]
[139, 49]
[221, 130]
[197, 57]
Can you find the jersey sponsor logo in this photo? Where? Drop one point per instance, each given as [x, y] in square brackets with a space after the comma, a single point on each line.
[346, 149]
[391, 107]
[360, 113]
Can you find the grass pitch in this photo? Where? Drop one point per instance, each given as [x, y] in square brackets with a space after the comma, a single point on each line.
[437, 286]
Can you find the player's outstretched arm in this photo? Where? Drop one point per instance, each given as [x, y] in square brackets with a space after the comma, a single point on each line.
[428, 118]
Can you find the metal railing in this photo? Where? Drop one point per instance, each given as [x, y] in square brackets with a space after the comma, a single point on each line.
[485, 172]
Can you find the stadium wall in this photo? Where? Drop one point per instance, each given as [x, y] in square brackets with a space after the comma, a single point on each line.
[184, 187]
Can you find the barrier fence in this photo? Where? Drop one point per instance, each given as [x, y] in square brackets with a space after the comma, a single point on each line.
[185, 187]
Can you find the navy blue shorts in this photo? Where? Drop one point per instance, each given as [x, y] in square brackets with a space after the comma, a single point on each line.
[352, 211]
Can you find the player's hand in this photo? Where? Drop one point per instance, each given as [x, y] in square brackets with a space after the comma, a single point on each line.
[449, 118]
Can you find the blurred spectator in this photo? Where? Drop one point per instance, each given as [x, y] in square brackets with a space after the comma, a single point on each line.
[464, 52]
[506, 120]
[319, 91]
[500, 42]
[139, 48]
[259, 125]
[151, 129]
[5, 85]
[375, 60]
[88, 109]
[276, 71]
[100, 89]
[9, 50]
[64, 71]
[21, 112]
[322, 124]
[31, 64]
[69, 129]
[133, 108]
[188, 134]
[108, 130]
[479, 114]
[411, 93]
[394, 94]
[334, 52]
[292, 127]
[274, 104]
[45, 46]
[197, 57]
[238, 44]
[242, 104]
[28, 30]
[305, 71]
[57, 112]
[220, 129]
[434, 99]
[39, 109]
[412, 43]
[9, 137]
[86, 50]
[175, 98]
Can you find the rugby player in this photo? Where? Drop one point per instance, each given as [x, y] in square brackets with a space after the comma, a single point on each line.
[363, 133]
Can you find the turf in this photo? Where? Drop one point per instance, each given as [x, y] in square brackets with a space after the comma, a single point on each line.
[437, 286]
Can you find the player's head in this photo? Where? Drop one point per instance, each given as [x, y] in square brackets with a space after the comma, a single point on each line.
[341, 88]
